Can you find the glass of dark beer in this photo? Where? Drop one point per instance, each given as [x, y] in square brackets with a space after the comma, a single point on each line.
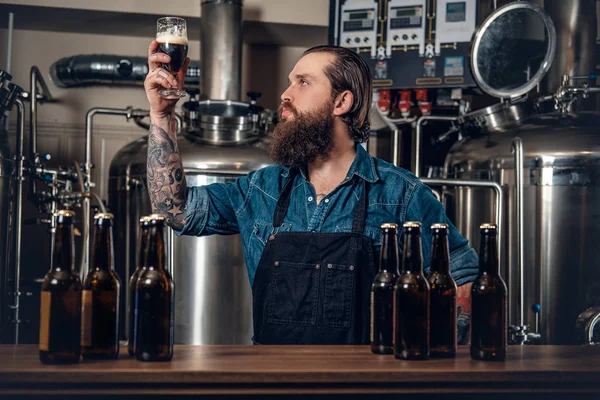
[171, 35]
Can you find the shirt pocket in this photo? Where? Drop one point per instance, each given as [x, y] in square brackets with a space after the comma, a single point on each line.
[339, 295]
[263, 229]
[294, 294]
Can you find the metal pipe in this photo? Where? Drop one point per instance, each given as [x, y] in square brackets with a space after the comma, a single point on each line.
[221, 50]
[9, 52]
[35, 77]
[128, 112]
[417, 161]
[171, 250]
[517, 149]
[11, 19]
[395, 136]
[484, 184]
[18, 213]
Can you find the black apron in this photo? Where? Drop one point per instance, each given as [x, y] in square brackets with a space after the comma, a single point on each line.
[314, 288]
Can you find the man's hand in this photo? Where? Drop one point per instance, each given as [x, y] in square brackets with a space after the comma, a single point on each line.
[159, 78]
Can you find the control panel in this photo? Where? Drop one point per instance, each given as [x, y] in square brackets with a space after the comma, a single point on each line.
[358, 25]
[405, 25]
[454, 23]
[408, 43]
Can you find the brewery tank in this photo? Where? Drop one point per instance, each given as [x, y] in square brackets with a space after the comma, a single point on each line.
[213, 298]
[561, 180]
[561, 170]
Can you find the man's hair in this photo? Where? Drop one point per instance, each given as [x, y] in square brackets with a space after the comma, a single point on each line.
[350, 72]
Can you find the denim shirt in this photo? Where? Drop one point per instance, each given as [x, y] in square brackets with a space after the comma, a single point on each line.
[246, 206]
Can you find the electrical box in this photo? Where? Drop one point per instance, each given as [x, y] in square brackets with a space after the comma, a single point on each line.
[358, 26]
[408, 43]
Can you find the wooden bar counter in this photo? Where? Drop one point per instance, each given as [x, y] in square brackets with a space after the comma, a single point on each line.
[530, 372]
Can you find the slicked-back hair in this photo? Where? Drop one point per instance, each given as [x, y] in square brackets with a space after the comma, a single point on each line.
[350, 72]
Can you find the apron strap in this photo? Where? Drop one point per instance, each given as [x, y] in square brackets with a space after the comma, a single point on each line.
[284, 200]
[360, 211]
[358, 215]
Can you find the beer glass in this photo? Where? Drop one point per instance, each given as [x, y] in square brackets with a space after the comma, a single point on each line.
[171, 35]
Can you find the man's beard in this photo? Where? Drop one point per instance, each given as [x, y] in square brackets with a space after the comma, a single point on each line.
[301, 140]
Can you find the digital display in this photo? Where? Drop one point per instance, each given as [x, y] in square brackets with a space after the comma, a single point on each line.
[406, 12]
[456, 12]
[358, 20]
[406, 17]
[362, 15]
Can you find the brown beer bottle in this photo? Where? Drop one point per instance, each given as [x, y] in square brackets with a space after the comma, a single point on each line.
[101, 295]
[488, 302]
[154, 300]
[411, 300]
[382, 292]
[442, 310]
[141, 266]
[60, 313]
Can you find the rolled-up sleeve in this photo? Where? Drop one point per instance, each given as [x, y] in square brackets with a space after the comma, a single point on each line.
[213, 209]
[425, 208]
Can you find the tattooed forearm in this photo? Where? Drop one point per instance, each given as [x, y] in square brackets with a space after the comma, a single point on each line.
[463, 302]
[166, 180]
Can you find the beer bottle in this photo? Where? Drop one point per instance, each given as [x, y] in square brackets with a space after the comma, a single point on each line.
[141, 266]
[442, 311]
[488, 302]
[411, 300]
[60, 313]
[382, 292]
[101, 295]
[154, 299]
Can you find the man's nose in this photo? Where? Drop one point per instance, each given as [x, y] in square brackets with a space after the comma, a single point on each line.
[286, 96]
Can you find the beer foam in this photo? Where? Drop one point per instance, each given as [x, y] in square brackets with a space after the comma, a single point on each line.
[172, 39]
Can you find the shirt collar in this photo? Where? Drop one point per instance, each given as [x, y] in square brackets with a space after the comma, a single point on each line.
[363, 166]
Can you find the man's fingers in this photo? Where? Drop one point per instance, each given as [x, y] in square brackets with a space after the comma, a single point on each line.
[152, 47]
[156, 59]
[161, 77]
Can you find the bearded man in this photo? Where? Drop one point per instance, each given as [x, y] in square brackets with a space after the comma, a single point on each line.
[310, 224]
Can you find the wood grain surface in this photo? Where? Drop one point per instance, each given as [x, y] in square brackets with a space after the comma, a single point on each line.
[565, 371]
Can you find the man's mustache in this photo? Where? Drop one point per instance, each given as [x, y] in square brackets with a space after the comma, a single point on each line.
[288, 106]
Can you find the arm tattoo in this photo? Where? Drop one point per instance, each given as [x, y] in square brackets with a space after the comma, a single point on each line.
[463, 302]
[166, 180]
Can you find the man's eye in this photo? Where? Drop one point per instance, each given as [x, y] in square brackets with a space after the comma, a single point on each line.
[303, 82]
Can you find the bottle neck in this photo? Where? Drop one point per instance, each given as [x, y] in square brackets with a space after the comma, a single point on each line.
[388, 259]
[63, 252]
[488, 255]
[103, 249]
[156, 248]
[412, 259]
[440, 256]
[143, 246]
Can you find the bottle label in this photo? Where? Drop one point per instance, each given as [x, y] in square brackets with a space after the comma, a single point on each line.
[86, 320]
[45, 321]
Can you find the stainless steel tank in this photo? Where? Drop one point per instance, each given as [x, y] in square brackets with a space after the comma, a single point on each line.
[213, 296]
[562, 223]
[561, 177]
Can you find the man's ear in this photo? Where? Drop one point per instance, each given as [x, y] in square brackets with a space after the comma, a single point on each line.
[343, 103]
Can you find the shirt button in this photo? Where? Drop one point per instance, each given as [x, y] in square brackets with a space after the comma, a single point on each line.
[326, 200]
[310, 198]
